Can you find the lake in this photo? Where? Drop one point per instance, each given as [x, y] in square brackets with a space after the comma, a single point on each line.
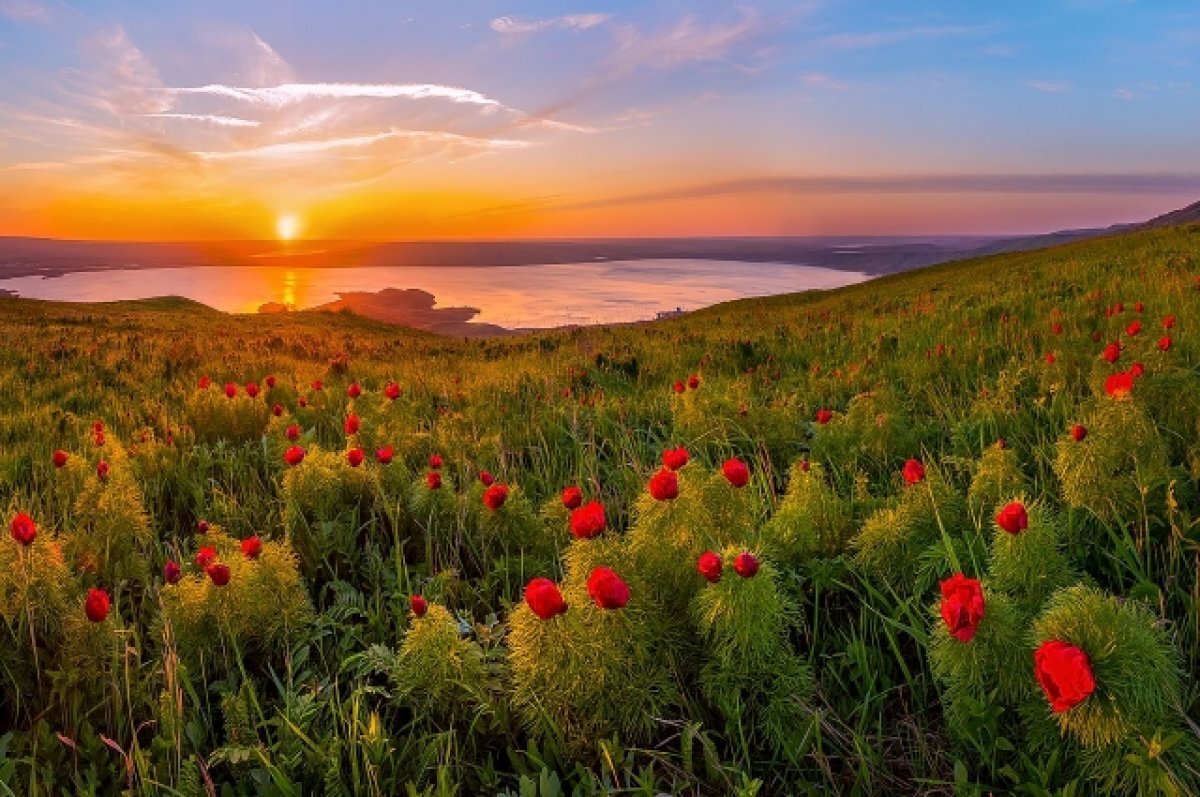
[509, 296]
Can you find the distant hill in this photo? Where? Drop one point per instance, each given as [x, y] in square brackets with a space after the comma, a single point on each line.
[1188, 215]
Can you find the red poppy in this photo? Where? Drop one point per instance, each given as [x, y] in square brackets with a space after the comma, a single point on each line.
[392, 391]
[588, 520]
[202, 526]
[97, 605]
[1112, 352]
[572, 497]
[1139, 307]
[435, 461]
[102, 470]
[1164, 343]
[293, 432]
[1136, 370]
[230, 390]
[1050, 358]
[270, 382]
[736, 472]
[913, 471]
[23, 529]
[252, 547]
[318, 385]
[206, 556]
[352, 424]
[433, 480]
[607, 589]
[544, 599]
[1134, 328]
[251, 390]
[293, 456]
[709, 565]
[664, 485]
[218, 573]
[418, 604]
[302, 401]
[693, 382]
[486, 478]
[60, 458]
[824, 416]
[203, 382]
[1065, 674]
[384, 455]
[1119, 385]
[746, 565]
[1168, 322]
[678, 387]
[495, 496]
[1078, 432]
[172, 572]
[355, 457]
[1056, 328]
[354, 391]
[277, 410]
[1013, 518]
[962, 606]
[675, 458]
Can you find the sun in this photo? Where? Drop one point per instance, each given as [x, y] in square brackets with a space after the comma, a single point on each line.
[286, 227]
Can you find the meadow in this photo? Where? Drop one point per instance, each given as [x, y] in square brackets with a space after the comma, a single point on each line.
[935, 533]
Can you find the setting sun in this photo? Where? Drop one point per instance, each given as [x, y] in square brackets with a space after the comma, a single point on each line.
[287, 227]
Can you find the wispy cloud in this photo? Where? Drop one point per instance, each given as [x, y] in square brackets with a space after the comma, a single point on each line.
[514, 25]
[1050, 86]
[25, 11]
[822, 80]
[296, 148]
[688, 41]
[882, 38]
[290, 93]
[220, 121]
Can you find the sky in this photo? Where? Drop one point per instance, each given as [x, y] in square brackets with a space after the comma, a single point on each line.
[414, 119]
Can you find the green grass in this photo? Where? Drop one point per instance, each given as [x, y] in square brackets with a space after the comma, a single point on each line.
[833, 675]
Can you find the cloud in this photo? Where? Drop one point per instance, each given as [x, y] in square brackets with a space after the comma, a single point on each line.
[1125, 94]
[881, 38]
[822, 80]
[294, 148]
[25, 11]
[221, 121]
[291, 93]
[1050, 86]
[686, 42]
[125, 82]
[515, 26]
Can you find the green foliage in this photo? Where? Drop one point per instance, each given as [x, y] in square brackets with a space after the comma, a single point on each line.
[215, 417]
[439, 674]
[811, 521]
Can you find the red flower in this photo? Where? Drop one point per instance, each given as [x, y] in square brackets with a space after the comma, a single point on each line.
[302, 401]
[277, 410]
[1119, 385]
[572, 497]
[23, 529]
[1056, 328]
[693, 382]
[293, 432]
[433, 480]
[664, 485]
[824, 416]
[1164, 343]
[1065, 674]
[588, 520]
[1050, 358]
[1133, 328]
[746, 565]
[384, 455]
[318, 385]
[230, 390]
[1168, 322]
[914, 471]
[102, 470]
[172, 572]
[392, 391]
[418, 604]
[678, 387]
[486, 478]
[206, 556]
[962, 606]
[354, 391]
[675, 458]
[1078, 432]
[435, 461]
[97, 605]
[218, 573]
[495, 496]
[355, 457]
[60, 458]
[203, 382]
[202, 526]
[1112, 352]
[252, 547]
[293, 456]
[1013, 518]
[251, 390]
[352, 424]
[709, 565]
[270, 381]
[544, 599]
[607, 589]
[736, 472]
[1139, 307]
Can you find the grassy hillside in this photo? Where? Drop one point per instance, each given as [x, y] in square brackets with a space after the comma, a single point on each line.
[964, 418]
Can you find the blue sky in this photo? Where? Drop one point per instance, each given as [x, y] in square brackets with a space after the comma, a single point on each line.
[520, 118]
